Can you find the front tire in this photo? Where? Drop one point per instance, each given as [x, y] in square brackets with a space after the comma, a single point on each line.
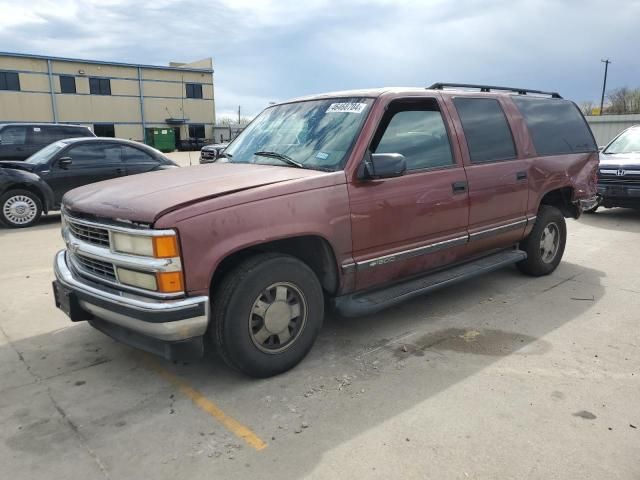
[20, 208]
[545, 244]
[267, 313]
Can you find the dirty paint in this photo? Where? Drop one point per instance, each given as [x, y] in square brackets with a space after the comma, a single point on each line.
[207, 406]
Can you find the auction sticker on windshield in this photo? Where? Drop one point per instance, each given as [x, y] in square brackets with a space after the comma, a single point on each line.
[346, 108]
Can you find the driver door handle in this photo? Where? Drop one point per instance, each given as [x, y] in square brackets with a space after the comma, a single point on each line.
[459, 187]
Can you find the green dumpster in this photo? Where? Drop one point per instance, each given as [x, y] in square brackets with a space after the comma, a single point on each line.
[164, 139]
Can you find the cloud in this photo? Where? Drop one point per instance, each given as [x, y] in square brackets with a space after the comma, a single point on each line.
[272, 50]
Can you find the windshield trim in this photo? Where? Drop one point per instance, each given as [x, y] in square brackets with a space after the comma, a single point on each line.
[349, 150]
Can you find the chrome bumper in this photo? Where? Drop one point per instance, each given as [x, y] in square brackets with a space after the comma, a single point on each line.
[588, 203]
[163, 320]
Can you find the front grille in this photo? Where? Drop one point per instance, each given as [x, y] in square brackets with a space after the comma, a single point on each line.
[208, 154]
[95, 267]
[93, 235]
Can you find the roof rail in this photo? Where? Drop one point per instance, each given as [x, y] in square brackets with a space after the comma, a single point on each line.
[489, 88]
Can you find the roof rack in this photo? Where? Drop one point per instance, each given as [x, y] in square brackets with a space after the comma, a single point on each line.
[489, 88]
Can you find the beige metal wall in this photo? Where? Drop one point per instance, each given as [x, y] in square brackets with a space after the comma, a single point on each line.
[163, 91]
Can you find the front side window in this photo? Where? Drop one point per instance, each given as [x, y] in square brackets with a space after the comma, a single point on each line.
[13, 136]
[556, 126]
[194, 90]
[9, 81]
[627, 142]
[94, 154]
[316, 134]
[417, 131]
[486, 129]
[100, 86]
[44, 155]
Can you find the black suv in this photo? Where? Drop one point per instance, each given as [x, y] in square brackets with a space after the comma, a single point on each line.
[619, 175]
[28, 188]
[18, 141]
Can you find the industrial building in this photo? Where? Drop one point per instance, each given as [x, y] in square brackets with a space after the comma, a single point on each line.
[114, 99]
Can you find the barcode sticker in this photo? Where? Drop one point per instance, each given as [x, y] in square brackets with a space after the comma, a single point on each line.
[346, 108]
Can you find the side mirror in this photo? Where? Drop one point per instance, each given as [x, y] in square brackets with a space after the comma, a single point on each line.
[64, 162]
[383, 165]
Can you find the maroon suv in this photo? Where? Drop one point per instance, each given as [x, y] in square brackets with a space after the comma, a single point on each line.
[357, 200]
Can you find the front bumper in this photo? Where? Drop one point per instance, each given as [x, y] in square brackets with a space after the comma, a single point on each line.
[173, 329]
[619, 194]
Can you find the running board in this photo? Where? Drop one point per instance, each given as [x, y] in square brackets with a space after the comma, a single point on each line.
[371, 301]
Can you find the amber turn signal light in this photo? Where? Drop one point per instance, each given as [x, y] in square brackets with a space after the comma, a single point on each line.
[170, 282]
[165, 247]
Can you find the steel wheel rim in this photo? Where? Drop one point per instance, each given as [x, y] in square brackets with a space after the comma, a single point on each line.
[278, 317]
[549, 242]
[20, 209]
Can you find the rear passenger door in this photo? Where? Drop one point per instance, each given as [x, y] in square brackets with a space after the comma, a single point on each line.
[137, 161]
[498, 176]
[409, 224]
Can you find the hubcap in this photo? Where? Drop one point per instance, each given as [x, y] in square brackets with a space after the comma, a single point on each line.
[277, 317]
[19, 209]
[549, 243]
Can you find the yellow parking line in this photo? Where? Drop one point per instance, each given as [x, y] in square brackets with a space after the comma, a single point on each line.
[206, 405]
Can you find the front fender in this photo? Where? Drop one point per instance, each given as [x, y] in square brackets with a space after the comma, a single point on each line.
[12, 179]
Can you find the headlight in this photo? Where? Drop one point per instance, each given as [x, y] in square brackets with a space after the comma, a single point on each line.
[137, 279]
[159, 247]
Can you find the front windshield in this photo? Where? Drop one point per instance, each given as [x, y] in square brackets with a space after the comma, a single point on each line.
[44, 155]
[316, 134]
[628, 142]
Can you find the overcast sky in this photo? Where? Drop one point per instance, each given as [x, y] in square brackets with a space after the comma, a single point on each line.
[272, 50]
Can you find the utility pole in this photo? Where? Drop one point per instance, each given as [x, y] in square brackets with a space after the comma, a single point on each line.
[606, 62]
[238, 115]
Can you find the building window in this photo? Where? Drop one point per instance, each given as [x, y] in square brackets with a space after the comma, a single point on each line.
[104, 130]
[194, 90]
[67, 84]
[196, 131]
[10, 81]
[100, 86]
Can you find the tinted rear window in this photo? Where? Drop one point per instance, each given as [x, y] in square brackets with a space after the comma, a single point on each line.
[486, 130]
[556, 126]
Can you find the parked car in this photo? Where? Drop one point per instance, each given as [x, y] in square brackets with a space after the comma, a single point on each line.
[29, 188]
[619, 174]
[210, 153]
[18, 141]
[359, 200]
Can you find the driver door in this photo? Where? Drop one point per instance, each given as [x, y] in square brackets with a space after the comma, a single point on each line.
[416, 222]
[82, 164]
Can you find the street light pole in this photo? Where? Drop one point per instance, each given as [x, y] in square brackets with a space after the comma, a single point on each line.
[606, 62]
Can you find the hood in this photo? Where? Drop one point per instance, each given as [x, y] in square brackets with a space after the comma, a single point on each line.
[145, 197]
[17, 165]
[619, 159]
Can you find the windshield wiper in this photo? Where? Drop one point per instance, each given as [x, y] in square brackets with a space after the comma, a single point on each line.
[280, 156]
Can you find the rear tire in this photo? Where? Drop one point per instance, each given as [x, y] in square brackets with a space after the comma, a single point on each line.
[20, 209]
[545, 244]
[267, 313]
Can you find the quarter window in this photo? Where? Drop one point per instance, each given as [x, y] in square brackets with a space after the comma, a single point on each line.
[416, 130]
[135, 155]
[100, 86]
[9, 81]
[67, 84]
[194, 90]
[486, 129]
[104, 130]
[556, 126]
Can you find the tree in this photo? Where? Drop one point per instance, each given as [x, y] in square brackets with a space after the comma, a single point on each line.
[623, 100]
[230, 121]
[587, 107]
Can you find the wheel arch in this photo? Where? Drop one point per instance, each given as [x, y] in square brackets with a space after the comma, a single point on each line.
[314, 250]
[30, 187]
[562, 199]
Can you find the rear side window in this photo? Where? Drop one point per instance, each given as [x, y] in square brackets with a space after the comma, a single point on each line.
[486, 129]
[135, 155]
[556, 126]
[416, 130]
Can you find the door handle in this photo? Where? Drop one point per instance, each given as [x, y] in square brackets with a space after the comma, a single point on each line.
[459, 187]
[521, 175]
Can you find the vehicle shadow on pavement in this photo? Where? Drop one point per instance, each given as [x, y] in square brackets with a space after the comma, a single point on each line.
[73, 396]
[618, 219]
